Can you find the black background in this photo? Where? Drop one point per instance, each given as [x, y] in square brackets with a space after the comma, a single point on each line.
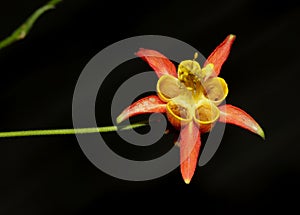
[51, 175]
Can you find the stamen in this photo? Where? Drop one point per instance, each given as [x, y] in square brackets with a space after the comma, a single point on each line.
[195, 56]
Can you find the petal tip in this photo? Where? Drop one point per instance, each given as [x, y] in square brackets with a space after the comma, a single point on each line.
[232, 36]
[261, 133]
[138, 53]
[187, 180]
[120, 118]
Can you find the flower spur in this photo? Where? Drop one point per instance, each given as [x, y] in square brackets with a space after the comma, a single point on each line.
[191, 97]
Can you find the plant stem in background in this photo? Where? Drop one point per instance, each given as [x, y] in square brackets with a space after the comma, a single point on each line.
[21, 32]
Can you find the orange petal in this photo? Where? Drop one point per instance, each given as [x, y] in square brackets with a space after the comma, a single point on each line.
[160, 63]
[149, 104]
[220, 54]
[189, 150]
[234, 115]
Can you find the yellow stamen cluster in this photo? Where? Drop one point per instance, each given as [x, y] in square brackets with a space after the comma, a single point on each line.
[194, 95]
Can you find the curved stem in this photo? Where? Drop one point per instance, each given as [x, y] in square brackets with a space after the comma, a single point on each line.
[70, 131]
[22, 31]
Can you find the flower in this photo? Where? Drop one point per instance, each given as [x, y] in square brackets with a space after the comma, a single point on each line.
[192, 99]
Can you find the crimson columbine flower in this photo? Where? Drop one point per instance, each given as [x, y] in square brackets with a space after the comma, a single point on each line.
[191, 98]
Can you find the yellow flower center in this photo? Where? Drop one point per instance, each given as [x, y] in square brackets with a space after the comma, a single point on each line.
[194, 95]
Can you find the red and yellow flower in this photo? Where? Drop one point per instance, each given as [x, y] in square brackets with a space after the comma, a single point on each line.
[192, 99]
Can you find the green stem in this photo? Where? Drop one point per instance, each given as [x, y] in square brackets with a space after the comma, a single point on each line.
[22, 31]
[70, 131]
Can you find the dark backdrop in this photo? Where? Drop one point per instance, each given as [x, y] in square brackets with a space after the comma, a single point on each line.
[51, 175]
